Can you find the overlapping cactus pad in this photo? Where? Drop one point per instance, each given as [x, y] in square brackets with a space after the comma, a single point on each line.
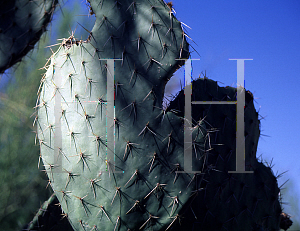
[144, 187]
[22, 22]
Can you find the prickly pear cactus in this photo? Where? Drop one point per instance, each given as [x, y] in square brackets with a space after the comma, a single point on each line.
[115, 158]
[229, 201]
[22, 22]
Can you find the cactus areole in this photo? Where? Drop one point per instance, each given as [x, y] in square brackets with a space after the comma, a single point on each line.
[114, 156]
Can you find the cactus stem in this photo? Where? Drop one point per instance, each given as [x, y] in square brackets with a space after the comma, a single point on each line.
[152, 148]
[83, 47]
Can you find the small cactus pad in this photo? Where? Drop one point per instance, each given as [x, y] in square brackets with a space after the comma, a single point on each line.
[115, 157]
[22, 22]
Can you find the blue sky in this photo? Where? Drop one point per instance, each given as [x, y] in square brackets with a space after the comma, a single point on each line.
[267, 32]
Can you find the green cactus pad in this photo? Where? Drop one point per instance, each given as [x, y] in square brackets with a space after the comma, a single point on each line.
[144, 186]
[22, 22]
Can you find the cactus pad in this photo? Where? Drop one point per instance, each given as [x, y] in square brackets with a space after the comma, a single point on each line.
[21, 25]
